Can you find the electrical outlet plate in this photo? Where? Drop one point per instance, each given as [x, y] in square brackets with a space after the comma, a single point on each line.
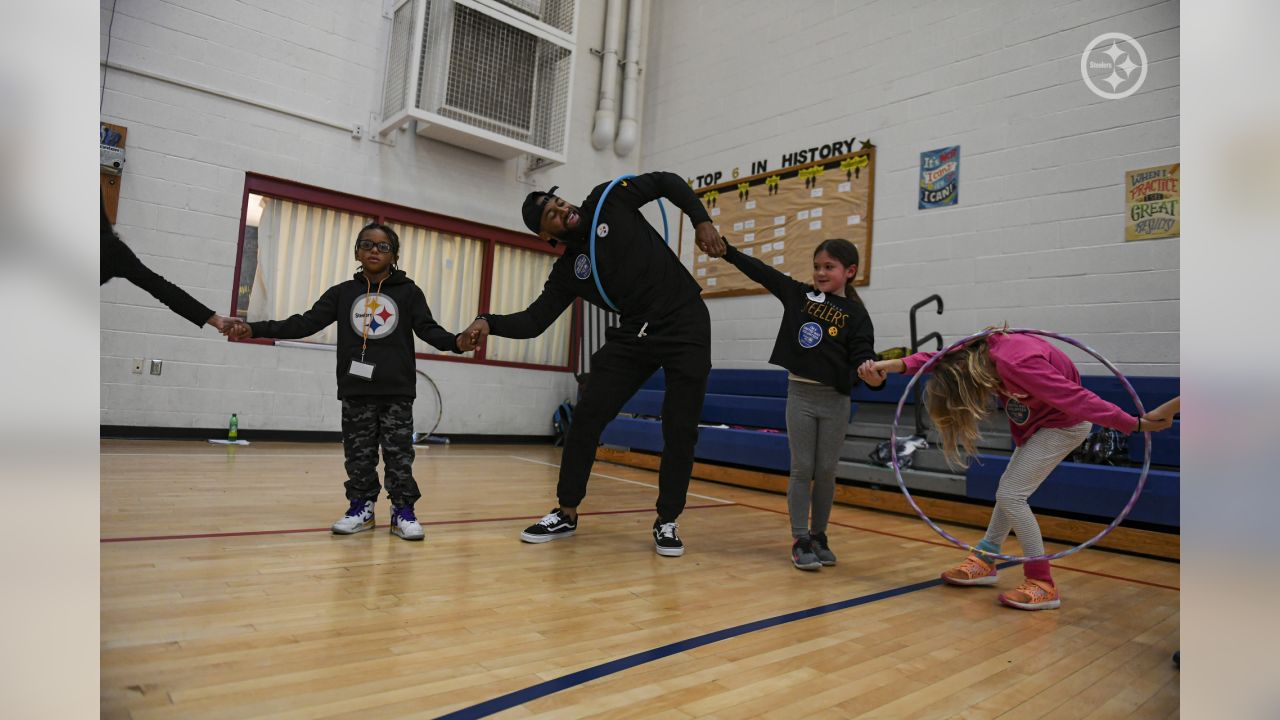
[156, 366]
[357, 131]
[137, 366]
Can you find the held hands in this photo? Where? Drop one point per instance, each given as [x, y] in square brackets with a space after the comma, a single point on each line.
[232, 327]
[875, 372]
[1151, 423]
[238, 331]
[1167, 410]
[1162, 417]
[708, 240]
[474, 336]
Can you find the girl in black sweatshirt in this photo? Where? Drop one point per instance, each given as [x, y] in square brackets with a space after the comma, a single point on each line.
[825, 335]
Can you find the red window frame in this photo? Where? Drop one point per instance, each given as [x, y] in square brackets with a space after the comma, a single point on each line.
[492, 236]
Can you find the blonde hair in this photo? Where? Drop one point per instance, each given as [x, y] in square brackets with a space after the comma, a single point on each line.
[959, 396]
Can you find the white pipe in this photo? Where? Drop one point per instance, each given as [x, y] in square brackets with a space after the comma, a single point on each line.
[606, 111]
[627, 128]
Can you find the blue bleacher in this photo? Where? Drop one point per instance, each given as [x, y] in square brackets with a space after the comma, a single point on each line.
[1098, 490]
[757, 399]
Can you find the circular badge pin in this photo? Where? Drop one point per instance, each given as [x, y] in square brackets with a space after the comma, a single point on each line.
[602, 230]
[582, 267]
[810, 334]
[1017, 411]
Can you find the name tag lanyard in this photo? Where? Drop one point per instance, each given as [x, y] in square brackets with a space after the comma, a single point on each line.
[365, 369]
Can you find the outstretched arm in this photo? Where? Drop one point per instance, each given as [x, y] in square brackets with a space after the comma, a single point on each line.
[426, 327]
[528, 323]
[875, 372]
[324, 312]
[767, 277]
[642, 189]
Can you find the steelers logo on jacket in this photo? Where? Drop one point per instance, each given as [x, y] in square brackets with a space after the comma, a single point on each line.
[376, 310]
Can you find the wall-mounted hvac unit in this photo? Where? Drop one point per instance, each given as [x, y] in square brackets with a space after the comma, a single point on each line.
[493, 76]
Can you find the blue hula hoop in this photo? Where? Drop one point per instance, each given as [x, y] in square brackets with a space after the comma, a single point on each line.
[595, 225]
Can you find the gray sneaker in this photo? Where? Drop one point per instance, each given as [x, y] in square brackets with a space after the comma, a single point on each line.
[802, 555]
[822, 549]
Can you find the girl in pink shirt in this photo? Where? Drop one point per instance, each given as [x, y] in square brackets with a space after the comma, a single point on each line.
[1050, 414]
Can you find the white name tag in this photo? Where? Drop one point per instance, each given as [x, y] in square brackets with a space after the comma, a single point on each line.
[362, 370]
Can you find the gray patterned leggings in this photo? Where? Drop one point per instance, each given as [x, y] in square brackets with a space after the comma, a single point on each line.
[1029, 465]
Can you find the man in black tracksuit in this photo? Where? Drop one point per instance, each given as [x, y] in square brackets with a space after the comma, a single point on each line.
[664, 325]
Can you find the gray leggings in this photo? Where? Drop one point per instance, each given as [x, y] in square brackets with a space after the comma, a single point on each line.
[1029, 465]
[817, 420]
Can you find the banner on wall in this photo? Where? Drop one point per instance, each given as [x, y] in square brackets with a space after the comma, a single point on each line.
[1152, 203]
[940, 177]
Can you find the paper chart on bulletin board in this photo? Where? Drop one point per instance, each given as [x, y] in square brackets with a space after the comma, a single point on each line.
[780, 217]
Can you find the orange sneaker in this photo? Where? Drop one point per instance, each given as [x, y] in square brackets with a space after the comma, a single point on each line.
[1032, 595]
[973, 571]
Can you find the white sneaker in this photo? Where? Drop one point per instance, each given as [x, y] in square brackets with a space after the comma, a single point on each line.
[404, 524]
[359, 518]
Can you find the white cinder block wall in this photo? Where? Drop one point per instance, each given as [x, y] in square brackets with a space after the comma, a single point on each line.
[1036, 240]
[188, 152]
[1038, 236]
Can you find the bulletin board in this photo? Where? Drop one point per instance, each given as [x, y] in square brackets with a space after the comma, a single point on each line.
[780, 217]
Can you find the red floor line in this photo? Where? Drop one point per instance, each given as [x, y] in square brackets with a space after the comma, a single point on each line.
[949, 545]
[249, 533]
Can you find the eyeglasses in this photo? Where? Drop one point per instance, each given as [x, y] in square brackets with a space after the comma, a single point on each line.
[369, 245]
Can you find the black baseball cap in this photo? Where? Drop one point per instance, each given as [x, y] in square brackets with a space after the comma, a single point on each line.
[532, 210]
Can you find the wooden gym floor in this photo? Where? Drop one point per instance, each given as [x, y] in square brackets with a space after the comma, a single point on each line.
[224, 595]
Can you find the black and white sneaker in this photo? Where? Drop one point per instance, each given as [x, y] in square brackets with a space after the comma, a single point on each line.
[553, 526]
[666, 540]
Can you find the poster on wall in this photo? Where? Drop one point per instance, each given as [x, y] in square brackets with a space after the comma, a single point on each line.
[940, 177]
[1152, 203]
[780, 217]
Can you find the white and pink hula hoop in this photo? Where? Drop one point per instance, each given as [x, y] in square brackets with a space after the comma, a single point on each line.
[1124, 512]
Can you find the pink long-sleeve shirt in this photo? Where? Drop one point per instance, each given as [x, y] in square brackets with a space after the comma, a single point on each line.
[1041, 386]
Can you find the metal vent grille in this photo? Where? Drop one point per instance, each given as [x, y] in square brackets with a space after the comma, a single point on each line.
[556, 13]
[396, 82]
[480, 76]
[491, 74]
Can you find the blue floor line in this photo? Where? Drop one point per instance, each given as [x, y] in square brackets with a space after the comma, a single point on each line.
[543, 689]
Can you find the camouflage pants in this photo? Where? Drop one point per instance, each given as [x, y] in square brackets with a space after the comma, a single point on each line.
[366, 424]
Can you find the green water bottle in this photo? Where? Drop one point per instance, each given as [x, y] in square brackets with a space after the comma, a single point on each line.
[233, 430]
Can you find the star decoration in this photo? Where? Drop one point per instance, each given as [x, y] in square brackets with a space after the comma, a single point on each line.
[371, 304]
[384, 315]
[1113, 52]
[1127, 66]
[375, 325]
[1113, 80]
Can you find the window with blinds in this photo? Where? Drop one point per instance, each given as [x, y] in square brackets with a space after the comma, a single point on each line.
[293, 250]
[518, 277]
